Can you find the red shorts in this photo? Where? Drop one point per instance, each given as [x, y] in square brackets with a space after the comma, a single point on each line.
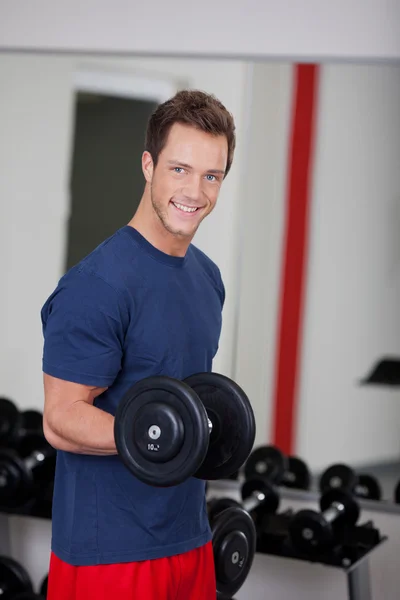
[189, 576]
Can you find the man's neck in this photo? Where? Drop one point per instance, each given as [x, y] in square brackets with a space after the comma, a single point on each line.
[147, 223]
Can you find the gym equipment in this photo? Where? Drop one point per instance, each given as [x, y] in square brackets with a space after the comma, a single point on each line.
[167, 430]
[288, 471]
[22, 473]
[9, 421]
[367, 487]
[259, 496]
[341, 476]
[338, 476]
[234, 546]
[14, 579]
[312, 531]
[397, 493]
[15, 424]
[217, 505]
[267, 461]
[43, 586]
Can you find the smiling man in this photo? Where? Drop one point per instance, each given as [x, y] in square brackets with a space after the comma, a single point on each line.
[145, 302]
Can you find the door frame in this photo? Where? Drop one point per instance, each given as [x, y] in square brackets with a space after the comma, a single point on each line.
[123, 84]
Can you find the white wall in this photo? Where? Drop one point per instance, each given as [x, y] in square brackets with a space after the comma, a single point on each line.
[311, 30]
[353, 296]
[260, 231]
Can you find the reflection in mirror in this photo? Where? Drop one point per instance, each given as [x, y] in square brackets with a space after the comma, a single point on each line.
[305, 231]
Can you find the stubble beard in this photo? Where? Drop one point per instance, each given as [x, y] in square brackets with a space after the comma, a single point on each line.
[162, 216]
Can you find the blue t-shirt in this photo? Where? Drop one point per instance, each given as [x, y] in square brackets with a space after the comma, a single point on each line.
[125, 312]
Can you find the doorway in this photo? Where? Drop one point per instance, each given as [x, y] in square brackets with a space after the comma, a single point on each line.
[106, 181]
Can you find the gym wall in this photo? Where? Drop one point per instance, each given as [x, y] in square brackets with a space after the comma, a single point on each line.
[352, 298]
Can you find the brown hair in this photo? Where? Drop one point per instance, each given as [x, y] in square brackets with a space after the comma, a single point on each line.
[197, 109]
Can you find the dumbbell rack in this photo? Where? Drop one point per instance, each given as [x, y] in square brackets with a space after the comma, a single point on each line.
[351, 554]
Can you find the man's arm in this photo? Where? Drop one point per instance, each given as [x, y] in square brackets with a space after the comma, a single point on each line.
[71, 422]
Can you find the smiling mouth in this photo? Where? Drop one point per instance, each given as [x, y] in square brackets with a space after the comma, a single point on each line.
[185, 209]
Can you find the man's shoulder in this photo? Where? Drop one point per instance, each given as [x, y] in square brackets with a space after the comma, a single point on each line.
[210, 267]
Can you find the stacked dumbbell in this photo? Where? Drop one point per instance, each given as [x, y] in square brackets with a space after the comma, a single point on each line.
[342, 476]
[15, 582]
[234, 546]
[259, 498]
[280, 469]
[27, 461]
[313, 532]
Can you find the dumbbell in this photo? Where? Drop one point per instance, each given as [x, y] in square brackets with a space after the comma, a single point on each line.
[270, 462]
[234, 546]
[259, 497]
[15, 424]
[341, 476]
[21, 474]
[311, 531]
[397, 493]
[167, 430]
[14, 579]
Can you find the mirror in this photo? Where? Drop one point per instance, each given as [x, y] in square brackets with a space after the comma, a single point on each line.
[305, 231]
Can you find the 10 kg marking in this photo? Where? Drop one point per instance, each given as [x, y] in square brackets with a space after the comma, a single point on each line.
[153, 447]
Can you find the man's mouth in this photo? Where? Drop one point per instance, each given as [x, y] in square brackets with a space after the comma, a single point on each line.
[185, 209]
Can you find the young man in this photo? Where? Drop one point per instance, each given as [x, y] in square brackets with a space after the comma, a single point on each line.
[145, 302]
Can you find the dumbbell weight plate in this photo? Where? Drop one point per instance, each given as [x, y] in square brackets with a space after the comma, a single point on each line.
[338, 476]
[233, 424]
[32, 421]
[368, 487]
[267, 461]
[217, 505]
[29, 596]
[44, 585]
[262, 485]
[234, 546]
[351, 513]
[15, 578]
[161, 431]
[309, 532]
[297, 476]
[15, 480]
[397, 493]
[33, 442]
[10, 419]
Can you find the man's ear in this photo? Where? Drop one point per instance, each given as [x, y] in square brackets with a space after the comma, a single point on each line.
[147, 166]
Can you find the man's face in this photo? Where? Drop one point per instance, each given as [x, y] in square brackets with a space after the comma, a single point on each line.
[187, 179]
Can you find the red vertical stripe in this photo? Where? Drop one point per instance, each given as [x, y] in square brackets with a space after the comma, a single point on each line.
[293, 281]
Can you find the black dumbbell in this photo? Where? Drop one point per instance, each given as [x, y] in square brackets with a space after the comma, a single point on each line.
[14, 579]
[259, 497]
[367, 487]
[22, 474]
[341, 476]
[311, 531]
[15, 424]
[43, 586]
[270, 462]
[397, 493]
[234, 546]
[168, 430]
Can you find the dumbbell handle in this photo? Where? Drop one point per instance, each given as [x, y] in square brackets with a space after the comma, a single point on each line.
[38, 456]
[331, 513]
[253, 501]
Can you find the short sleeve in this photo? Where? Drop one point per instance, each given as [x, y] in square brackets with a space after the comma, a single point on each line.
[83, 329]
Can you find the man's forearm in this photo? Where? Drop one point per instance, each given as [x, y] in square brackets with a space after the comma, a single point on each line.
[82, 429]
